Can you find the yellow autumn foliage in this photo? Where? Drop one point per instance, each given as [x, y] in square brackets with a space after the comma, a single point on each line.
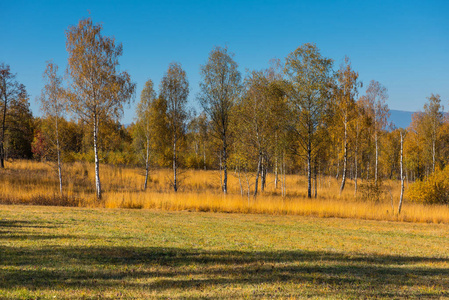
[434, 189]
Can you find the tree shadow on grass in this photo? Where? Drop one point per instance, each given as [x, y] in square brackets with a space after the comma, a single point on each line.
[167, 270]
[19, 230]
[24, 224]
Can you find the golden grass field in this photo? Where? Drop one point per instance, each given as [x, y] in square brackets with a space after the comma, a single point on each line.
[31, 182]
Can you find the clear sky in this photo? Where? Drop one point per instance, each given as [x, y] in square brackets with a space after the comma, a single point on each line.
[402, 44]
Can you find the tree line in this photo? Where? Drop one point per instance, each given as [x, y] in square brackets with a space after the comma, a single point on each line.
[300, 116]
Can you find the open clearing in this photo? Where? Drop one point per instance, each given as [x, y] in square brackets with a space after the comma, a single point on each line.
[59, 252]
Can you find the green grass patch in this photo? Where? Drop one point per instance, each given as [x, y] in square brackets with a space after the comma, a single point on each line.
[59, 252]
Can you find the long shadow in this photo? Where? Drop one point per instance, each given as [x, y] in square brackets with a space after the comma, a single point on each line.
[162, 269]
[9, 231]
[10, 235]
[24, 224]
[73, 268]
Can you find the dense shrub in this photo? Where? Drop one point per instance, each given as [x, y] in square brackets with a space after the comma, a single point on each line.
[433, 189]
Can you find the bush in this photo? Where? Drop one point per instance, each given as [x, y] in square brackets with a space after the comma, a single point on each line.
[432, 190]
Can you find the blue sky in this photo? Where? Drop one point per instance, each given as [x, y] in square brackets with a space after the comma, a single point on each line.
[402, 44]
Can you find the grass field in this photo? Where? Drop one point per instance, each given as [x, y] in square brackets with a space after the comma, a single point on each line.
[31, 182]
[61, 253]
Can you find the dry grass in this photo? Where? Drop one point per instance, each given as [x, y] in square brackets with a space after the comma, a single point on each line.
[27, 182]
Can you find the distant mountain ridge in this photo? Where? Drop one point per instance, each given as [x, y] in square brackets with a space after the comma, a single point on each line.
[400, 118]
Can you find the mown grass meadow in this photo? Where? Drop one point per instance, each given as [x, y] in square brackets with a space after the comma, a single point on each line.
[59, 252]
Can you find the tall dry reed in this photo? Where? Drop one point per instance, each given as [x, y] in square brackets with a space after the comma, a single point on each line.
[29, 182]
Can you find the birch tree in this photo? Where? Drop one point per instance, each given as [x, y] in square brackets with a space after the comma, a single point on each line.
[357, 129]
[53, 105]
[254, 120]
[375, 99]
[414, 145]
[402, 132]
[309, 79]
[175, 90]
[345, 108]
[145, 125]
[10, 90]
[261, 115]
[203, 128]
[220, 89]
[98, 90]
[433, 112]
[198, 133]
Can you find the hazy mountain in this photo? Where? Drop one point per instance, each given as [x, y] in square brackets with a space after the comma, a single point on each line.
[400, 118]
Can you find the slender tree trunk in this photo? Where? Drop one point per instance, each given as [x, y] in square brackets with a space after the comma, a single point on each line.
[320, 175]
[256, 184]
[2, 145]
[309, 170]
[240, 182]
[355, 166]
[402, 177]
[284, 185]
[276, 175]
[276, 154]
[367, 169]
[225, 166]
[433, 154]
[175, 167]
[147, 163]
[377, 160]
[58, 152]
[97, 161]
[264, 174]
[247, 186]
[418, 173]
[314, 177]
[196, 154]
[345, 157]
[204, 156]
[337, 173]
[220, 167]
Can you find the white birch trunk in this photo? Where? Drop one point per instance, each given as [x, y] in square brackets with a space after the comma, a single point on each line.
[58, 151]
[263, 174]
[225, 168]
[175, 183]
[314, 178]
[284, 177]
[276, 175]
[147, 163]
[433, 154]
[402, 177]
[309, 171]
[377, 160]
[345, 157]
[247, 186]
[240, 182]
[256, 184]
[2, 142]
[204, 156]
[97, 161]
[355, 160]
